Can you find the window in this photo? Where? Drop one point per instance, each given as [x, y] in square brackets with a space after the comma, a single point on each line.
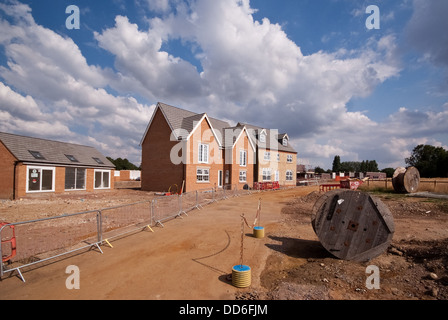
[243, 158]
[203, 153]
[266, 174]
[71, 158]
[75, 179]
[278, 156]
[97, 160]
[289, 175]
[203, 175]
[243, 176]
[37, 155]
[262, 138]
[40, 179]
[267, 156]
[277, 175]
[289, 158]
[102, 179]
[285, 141]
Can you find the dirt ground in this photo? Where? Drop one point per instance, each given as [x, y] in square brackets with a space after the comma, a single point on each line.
[191, 257]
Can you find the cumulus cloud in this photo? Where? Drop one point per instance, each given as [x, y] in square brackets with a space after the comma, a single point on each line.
[250, 71]
[426, 30]
[65, 97]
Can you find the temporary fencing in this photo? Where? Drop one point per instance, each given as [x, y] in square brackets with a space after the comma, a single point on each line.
[24, 244]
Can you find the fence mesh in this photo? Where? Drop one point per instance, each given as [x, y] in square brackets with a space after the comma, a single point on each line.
[125, 219]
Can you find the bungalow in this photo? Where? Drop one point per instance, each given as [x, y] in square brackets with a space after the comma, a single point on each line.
[32, 166]
[183, 148]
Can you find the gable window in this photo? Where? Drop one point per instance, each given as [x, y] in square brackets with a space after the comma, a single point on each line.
[262, 138]
[102, 179]
[75, 179]
[267, 156]
[243, 176]
[203, 153]
[289, 158]
[40, 179]
[266, 174]
[285, 141]
[243, 158]
[37, 155]
[289, 175]
[203, 175]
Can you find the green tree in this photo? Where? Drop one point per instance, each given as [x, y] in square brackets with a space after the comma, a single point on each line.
[336, 164]
[430, 161]
[389, 172]
[319, 170]
[123, 164]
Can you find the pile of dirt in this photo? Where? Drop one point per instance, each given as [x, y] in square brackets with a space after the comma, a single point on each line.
[415, 266]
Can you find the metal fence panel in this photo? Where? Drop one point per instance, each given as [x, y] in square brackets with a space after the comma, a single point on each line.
[43, 239]
[166, 208]
[121, 220]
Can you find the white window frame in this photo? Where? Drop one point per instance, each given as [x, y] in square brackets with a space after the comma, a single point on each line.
[278, 156]
[266, 174]
[243, 158]
[203, 153]
[289, 175]
[285, 141]
[243, 176]
[289, 158]
[102, 179]
[267, 156]
[262, 138]
[277, 175]
[53, 169]
[203, 174]
[76, 174]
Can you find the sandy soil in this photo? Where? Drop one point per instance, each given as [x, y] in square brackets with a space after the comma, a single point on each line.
[191, 258]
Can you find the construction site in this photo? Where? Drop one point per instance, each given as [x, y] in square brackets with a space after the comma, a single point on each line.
[192, 254]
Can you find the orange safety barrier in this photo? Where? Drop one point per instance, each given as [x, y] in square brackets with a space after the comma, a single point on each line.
[266, 185]
[11, 241]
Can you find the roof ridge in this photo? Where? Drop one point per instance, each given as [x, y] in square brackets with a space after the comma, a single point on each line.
[45, 139]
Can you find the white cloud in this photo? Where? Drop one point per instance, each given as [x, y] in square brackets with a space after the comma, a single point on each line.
[250, 72]
[65, 97]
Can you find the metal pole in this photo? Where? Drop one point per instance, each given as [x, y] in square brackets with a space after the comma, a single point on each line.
[99, 223]
[1, 255]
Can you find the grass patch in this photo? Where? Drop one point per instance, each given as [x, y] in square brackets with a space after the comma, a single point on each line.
[383, 192]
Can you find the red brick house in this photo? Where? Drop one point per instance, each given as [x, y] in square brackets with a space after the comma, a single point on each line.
[181, 147]
[32, 167]
[195, 151]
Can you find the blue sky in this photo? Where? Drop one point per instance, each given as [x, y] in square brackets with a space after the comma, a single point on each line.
[310, 68]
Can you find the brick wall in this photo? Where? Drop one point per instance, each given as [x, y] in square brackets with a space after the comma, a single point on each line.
[158, 171]
[6, 173]
[203, 134]
[281, 165]
[59, 182]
